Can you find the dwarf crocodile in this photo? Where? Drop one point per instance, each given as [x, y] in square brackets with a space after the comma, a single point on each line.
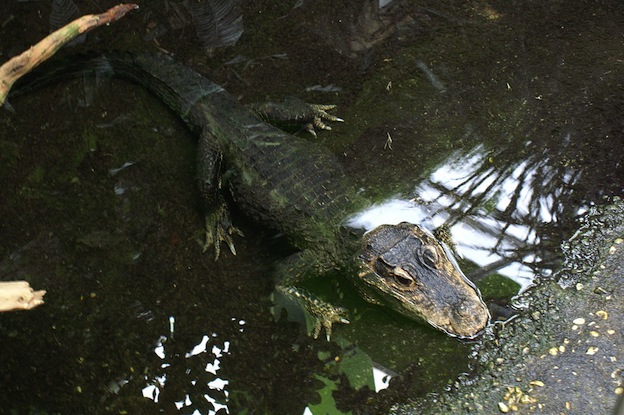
[296, 187]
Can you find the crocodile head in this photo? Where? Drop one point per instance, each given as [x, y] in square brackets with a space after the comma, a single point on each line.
[408, 269]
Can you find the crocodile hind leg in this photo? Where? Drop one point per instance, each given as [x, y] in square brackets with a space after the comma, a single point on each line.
[294, 114]
[218, 225]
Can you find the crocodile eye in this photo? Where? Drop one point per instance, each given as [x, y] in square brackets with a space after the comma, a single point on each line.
[429, 256]
[406, 282]
[402, 277]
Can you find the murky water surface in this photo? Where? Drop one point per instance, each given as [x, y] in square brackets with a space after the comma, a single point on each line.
[501, 120]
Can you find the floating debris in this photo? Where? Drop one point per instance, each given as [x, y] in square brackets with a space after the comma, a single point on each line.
[326, 88]
[433, 79]
[127, 164]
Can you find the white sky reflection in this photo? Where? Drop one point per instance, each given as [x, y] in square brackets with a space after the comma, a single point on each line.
[480, 236]
[155, 385]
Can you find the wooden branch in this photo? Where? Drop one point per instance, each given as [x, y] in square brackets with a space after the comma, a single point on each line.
[20, 65]
[18, 295]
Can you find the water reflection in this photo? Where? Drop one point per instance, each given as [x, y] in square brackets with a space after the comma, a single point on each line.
[157, 383]
[190, 379]
[187, 377]
[494, 211]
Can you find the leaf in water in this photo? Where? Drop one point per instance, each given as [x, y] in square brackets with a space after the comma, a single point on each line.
[327, 406]
[63, 12]
[356, 365]
[218, 22]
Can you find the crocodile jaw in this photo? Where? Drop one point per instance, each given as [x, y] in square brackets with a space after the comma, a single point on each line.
[406, 268]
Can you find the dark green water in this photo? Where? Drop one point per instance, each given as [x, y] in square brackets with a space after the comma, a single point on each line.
[502, 119]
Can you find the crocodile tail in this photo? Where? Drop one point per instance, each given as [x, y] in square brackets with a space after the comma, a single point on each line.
[177, 85]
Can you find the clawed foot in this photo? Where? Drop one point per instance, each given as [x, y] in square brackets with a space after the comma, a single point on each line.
[324, 315]
[219, 229]
[320, 115]
[295, 112]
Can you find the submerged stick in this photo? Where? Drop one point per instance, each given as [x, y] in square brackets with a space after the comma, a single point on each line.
[20, 65]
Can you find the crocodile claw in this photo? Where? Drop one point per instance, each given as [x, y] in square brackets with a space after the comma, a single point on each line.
[325, 317]
[219, 229]
[320, 115]
[322, 314]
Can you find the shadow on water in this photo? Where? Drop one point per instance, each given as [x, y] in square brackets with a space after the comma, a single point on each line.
[501, 122]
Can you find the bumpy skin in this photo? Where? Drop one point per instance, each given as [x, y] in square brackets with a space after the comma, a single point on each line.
[296, 187]
[416, 274]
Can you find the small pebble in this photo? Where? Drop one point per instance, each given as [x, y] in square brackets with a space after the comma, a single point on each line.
[592, 350]
[526, 399]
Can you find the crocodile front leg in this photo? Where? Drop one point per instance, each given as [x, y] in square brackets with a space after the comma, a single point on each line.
[323, 313]
[218, 225]
[304, 265]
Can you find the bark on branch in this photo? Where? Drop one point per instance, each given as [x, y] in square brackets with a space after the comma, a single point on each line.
[20, 65]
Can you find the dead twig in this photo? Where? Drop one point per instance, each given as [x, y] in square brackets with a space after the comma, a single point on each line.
[20, 65]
